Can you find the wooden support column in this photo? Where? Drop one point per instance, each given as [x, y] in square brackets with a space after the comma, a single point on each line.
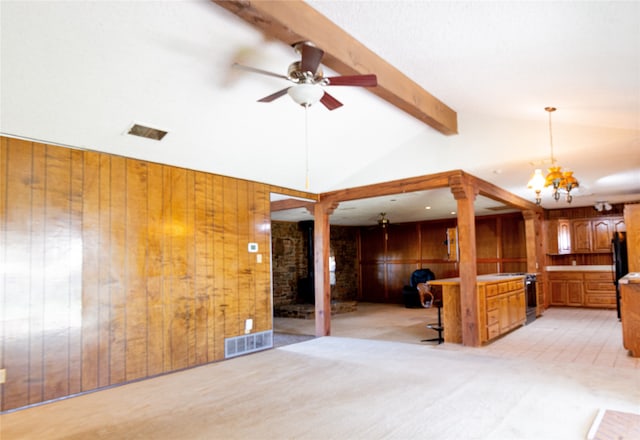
[321, 250]
[535, 255]
[533, 240]
[465, 194]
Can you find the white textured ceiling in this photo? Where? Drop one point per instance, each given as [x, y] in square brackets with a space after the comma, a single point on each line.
[79, 73]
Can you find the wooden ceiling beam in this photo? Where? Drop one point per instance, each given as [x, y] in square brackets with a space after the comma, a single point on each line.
[286, 204]
[295, 21]
[431, 181]
[421, 183]
[494, 192]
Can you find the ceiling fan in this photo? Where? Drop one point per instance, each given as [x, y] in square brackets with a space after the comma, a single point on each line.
[308, 80]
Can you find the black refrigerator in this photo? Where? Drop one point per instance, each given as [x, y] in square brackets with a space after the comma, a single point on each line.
[620, 262]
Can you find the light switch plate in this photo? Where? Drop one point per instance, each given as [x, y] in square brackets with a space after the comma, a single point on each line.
[3, 375]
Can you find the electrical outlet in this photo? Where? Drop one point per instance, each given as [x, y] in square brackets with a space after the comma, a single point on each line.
[3, 375]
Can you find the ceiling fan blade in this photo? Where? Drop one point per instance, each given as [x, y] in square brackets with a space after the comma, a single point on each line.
[263, 72]
[330, 102]
[369, 80]
[311, 57]
[274, 96]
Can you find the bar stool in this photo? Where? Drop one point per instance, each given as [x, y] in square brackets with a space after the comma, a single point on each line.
[429, 300]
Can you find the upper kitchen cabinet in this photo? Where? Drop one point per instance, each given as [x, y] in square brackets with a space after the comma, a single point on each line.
[559, 236]
[601, 234]
[593, 236]
[582, 236]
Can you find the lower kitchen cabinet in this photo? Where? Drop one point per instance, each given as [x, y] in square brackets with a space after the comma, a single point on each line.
[599, 290]
[502, 307]
[582, 289]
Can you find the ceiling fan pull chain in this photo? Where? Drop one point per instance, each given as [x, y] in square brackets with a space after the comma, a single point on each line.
[306, 142]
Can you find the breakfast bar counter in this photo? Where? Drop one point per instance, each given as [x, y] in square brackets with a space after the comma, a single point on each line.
[501, 305]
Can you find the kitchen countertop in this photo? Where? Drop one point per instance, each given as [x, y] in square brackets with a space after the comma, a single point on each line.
[491, 278]
[589, 268]
[630, 278]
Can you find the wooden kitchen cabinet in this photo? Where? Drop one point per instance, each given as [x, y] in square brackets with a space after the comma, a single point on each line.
[575, 293]
[582, 236]
[601, 235]
[618, 225]
[632, 220]
[594, 236]
[599, 290]
[582, 289]
[559, 236]
[558, 290]
[566, 288]
[630, 312]
[502, 307]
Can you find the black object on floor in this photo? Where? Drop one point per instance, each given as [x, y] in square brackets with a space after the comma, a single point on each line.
[410, 293]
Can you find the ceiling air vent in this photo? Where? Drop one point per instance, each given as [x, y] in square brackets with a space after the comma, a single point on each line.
[146, 132]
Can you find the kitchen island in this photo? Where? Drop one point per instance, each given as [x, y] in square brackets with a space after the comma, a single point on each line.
[501, 306]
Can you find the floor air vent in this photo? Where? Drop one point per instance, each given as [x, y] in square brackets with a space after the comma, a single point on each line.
[247, 343]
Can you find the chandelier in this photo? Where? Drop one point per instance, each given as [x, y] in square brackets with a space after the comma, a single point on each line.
[556, 178]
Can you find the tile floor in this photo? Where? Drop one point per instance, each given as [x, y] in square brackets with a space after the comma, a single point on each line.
[562, 335]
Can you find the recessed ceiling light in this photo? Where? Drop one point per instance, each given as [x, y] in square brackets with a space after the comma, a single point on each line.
[427, 207]
[453, 213]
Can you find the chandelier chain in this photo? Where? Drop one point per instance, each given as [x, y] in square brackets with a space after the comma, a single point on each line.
[551, 110]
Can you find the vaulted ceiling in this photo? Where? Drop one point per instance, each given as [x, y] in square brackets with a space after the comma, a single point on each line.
[80, 73]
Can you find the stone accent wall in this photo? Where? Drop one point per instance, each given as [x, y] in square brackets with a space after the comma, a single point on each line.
[289, 263]
[344, 246]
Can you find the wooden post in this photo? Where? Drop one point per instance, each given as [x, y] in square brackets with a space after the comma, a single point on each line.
[465, 194]
[532, 226]
[535, 255]
[322, 285]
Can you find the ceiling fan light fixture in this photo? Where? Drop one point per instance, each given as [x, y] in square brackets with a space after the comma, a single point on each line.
[306, 94]
[383, 221]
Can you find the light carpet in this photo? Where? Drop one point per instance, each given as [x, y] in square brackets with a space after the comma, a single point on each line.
[346, 388]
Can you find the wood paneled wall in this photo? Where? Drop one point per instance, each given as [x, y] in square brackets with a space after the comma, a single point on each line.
[117, 269]
[390, 255]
